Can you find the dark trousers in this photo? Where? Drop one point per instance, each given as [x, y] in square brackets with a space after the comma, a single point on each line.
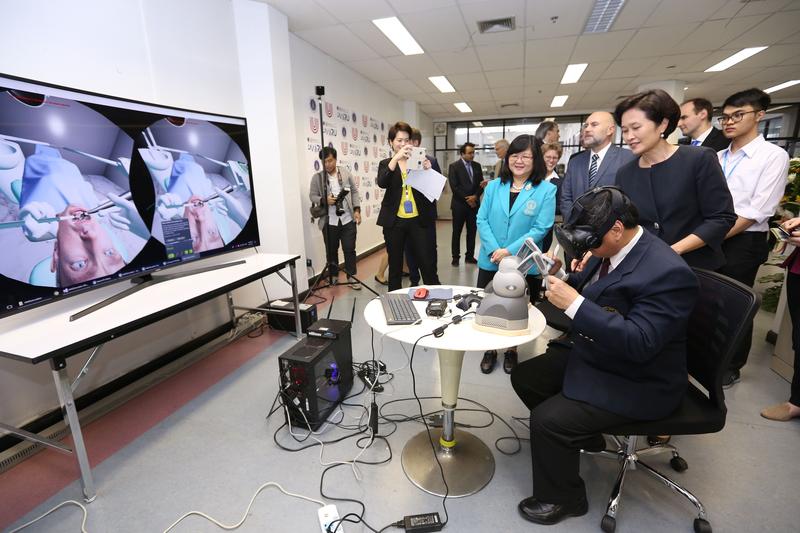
[793, 302]
[744, 253]
[345, 234]
[560, 427]
[463, 214]
[408, 230]
[431, 249]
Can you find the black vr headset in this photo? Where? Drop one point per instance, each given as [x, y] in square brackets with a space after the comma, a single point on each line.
[579, 239]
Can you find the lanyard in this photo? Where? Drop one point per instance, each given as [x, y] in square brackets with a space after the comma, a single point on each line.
[725, 163]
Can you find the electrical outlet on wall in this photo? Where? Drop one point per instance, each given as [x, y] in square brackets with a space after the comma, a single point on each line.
[308, 262]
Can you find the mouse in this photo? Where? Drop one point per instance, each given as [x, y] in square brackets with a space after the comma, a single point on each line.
[421, 293]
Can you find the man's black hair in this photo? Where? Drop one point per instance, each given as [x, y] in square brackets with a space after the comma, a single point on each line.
[754, 97]
[597, 207]
[463, 148]
[326, 152]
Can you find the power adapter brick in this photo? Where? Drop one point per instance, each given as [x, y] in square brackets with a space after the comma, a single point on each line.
[423, 523]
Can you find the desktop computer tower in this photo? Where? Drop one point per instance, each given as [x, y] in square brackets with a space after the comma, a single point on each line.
[317, 373]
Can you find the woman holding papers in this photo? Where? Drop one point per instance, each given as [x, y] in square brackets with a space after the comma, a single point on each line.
[519, 205]
[405, 212]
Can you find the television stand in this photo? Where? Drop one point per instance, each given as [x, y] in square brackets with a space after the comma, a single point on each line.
[148, 280]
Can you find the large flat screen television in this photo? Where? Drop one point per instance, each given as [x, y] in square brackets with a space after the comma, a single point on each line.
[95, 189]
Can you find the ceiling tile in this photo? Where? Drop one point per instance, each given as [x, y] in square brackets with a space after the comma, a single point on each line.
[357, 10]
[534, 90]
[303, 15]
[505, 78]
[374, 38]
[376, 69]
[422, 98]
[627, 68]
[409, 6]
[508, 93]
[792, 39]
[338, 42]
[772, 30]
[437, 30]
[612, 85]
[549, 52]
[483, 107]
[446, 98]
[476, 95]
[634, 14]
[601, 46]
[761, 7]
[774, 55]
[571, 18]
[595, 70]
[502, 37]
[679, 63]
[652, 42]
[468, 81]
[500, 56]
[714, 34]
[415, 66]
[683, 11]
[461, 62]
[543, 75]
[772, 76]
[432, 109]
[401, 87]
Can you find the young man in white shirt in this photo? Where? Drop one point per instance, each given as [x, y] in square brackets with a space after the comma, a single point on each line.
[756, 172]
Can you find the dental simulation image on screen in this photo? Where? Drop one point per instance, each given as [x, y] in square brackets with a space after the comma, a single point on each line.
[96, 189]
[66, 215]
[201, 179]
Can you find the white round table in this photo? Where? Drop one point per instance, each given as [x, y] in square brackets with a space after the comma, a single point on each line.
[467, 462]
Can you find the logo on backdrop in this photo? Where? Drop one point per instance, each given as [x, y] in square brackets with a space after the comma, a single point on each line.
[355, 117]
[314, 125]
[373, 123]
[367, 197]
[344, 148]
[383, 139]
[329, 109]
[316, 165]
[374, 138]
[366, 166]
[381, 126]
[374, 151]
[364, 120]
[354, 149]
[312, 104]
[355, 133]
[355, 166]
[344, 132]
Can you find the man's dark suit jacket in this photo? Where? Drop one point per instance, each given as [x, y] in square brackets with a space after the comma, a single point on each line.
[629, 334]
[392, 181]
[576, 180]
[715, 140]
[686, 194]
[462, 186]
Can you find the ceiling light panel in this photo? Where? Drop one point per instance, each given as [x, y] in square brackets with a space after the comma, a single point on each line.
[394, 30]
[573, 73]
[463, 107]
[442, 83]
[738, 57]
[783, 85]
[559, 101]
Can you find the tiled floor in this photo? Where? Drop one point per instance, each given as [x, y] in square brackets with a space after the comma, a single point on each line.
[200, 441]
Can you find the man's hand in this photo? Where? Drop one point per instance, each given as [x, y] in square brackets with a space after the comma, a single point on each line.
[484, 183]
[556, 264]
[499, 254]
[403, 153]
[331, 200]
[471, 200]
[578, 266]
[560, 293]
[426, 164]
[793, 227]
[357, 217]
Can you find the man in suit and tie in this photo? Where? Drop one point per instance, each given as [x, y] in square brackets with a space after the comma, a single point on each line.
[465, 177]
[597, 165]
[626, 356]
[695, 123]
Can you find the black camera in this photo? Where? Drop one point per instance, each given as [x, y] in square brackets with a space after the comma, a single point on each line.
[340, 201]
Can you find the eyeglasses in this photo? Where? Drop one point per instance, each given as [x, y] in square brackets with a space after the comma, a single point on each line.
[523, 157]
[733, 118]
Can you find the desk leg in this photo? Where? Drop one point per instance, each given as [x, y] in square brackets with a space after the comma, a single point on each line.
[296, 300]
[467, 462]
[67, 401]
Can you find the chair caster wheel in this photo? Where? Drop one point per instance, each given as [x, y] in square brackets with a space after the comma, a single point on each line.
[701, 525]
[678, 464]
[609, 524]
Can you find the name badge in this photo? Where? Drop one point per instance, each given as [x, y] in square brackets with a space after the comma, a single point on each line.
[408, 207]
[530, 208]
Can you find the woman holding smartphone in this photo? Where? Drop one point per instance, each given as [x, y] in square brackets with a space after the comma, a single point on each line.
[783, 412]
[405, 213]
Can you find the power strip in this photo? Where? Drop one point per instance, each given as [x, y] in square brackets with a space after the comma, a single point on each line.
[328, 515]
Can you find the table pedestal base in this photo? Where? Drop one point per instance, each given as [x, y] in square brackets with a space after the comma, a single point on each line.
[468, 466]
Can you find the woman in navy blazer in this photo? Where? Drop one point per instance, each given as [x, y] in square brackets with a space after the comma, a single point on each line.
[519, 205]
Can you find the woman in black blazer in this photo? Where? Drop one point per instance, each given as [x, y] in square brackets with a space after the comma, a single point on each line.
[405, 213]
[680, 191]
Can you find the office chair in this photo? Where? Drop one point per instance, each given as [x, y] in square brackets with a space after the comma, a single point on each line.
[724, 307]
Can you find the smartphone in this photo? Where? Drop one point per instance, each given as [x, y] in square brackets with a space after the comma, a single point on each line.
[417, 158]
[781, 234]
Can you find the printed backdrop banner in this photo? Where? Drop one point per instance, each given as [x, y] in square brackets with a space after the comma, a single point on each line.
[360, 142]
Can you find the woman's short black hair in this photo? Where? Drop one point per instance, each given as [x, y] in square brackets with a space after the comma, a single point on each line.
[326, 152]
[400, 126]
[656, 104]
[520, 144]
[543, 129]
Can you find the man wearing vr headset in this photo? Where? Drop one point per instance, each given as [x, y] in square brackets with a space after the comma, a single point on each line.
[626, 358]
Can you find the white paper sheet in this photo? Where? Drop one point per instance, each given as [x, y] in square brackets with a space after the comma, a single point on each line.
[428, 182]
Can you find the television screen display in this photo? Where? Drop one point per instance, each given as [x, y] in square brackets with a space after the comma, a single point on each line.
[95, 189]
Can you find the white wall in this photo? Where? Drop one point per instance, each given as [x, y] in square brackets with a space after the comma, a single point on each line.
[220, 56]
[349, 89]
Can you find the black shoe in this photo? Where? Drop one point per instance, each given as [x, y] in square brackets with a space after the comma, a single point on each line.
[454, 262]
[471, 260]
[731, 378]
[509, 361]
[488, 361]
[384, 282]
[658, 440]
[533, 510]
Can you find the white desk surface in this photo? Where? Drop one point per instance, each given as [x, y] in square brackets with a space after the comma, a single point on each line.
[51, 334]
[459, 337]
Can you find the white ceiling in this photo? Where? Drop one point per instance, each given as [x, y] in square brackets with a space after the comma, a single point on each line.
[651, 40]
